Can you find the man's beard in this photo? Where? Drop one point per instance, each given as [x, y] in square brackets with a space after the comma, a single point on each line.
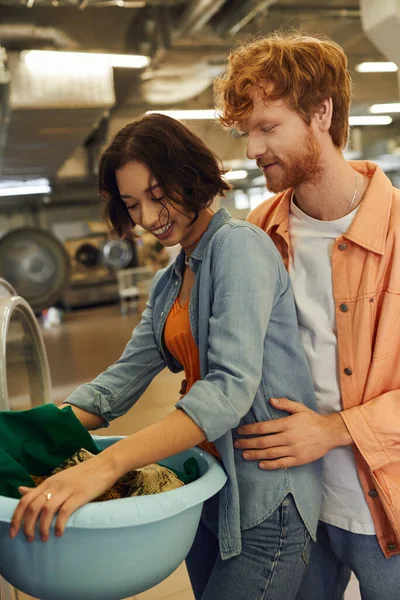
[301, 166]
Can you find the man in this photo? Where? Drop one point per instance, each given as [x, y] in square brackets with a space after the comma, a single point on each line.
[337, 227]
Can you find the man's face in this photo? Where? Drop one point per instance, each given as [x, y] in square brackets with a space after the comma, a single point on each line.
[285, 148]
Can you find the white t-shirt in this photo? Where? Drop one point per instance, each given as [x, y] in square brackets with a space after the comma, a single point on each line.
[310, 269]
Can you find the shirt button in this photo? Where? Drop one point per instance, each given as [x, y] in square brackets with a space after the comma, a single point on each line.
[348, 371]
[344, 307]
[342, 246]
[373, 493]
[162, 314]
[392, 546]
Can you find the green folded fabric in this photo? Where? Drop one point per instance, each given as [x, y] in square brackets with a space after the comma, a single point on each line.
[12, 475]
[36, 441]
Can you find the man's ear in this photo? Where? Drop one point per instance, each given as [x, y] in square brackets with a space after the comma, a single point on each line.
[323, 115]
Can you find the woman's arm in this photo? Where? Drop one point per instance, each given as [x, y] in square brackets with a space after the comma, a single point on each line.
[89, 420]
[173, 434]
[113, 392]
[74, 487]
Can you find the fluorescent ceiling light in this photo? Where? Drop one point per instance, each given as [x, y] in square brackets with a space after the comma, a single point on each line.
[393, 107]
[24, 188]
[240, 174]
[187, 114]
[47, 61]
[377, 67]
[383, 120]
[212, 114]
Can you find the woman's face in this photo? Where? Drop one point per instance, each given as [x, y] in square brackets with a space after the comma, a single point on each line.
[149, 208]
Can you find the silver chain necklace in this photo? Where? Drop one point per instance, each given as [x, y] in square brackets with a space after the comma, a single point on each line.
[350, 205]
[354, 196]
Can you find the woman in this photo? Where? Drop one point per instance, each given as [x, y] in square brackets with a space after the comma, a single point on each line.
[223, 313]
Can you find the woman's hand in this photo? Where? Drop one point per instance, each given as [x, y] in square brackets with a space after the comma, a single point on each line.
[65, 492]
[62, 493]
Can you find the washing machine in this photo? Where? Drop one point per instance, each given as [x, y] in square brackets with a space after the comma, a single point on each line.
[94, 261]
[36, 264]
[24, 371]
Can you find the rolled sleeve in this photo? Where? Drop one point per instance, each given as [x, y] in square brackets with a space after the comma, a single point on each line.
[116, 390]
[375, 429]
[93, 399]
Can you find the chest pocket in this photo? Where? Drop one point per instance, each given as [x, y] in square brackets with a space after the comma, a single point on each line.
[385, 319]
[385, 316]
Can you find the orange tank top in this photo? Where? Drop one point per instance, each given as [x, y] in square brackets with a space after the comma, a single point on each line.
[180, 342]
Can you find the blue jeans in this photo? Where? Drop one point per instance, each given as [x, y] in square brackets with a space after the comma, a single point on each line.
[337, 553]
[270, 567]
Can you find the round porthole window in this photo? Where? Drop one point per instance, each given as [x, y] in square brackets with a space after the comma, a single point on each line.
[36, 264]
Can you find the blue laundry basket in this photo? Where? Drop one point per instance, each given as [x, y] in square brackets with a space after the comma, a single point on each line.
[114, 549]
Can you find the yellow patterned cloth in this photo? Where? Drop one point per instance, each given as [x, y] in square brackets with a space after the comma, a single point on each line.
[153, 479]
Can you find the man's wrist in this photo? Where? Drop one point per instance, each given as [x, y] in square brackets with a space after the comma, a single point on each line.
[339, 434]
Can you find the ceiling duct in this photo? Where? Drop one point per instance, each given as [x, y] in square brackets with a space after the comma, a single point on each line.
[51, 114]
[320, 11]
[82, 4]
[197, 14]
[239, 13]
[179, 77]
[29, 35]
[183, 67]
[383, 26]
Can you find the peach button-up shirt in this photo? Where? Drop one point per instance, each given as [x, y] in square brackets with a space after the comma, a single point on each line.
[366, 288]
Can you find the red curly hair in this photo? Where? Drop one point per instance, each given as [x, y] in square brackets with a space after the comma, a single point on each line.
[303, 70]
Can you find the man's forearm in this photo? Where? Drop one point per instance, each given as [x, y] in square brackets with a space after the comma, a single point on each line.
[88, 420]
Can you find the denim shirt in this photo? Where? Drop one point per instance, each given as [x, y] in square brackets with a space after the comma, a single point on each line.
[243, 319]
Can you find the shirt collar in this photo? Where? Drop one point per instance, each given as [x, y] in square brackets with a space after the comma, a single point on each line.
[220, 217]
[280, 215]
[369, 228]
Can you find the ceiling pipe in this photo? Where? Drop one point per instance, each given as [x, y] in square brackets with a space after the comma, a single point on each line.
[197, 14]
[238, 17]
[24, 32]
[308, 10]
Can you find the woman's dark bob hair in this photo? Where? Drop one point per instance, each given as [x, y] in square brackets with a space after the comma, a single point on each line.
[185, 169]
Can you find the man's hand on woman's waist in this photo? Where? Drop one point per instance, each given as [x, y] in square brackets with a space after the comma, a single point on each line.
[301, 438]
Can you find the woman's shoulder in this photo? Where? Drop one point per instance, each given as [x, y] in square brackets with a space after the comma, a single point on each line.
[242, 250]
[244, 235]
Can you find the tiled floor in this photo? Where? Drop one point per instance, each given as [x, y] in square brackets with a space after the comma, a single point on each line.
[85, 344]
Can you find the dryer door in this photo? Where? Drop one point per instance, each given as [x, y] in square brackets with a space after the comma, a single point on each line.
[36, 264]
[24, 371]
